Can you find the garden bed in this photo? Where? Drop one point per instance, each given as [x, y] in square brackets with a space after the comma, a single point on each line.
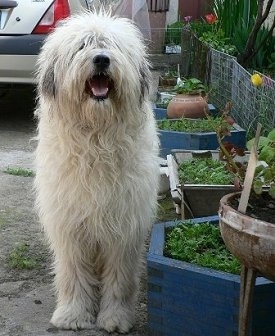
[186, 299]
[170, 139]
[196, 200]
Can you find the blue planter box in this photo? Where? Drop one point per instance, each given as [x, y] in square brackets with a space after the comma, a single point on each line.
[185, 299]
[199, 141]
[161, 113]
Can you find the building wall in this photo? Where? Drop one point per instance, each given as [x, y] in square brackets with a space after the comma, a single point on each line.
[271, 14]
[173, 14]
[194, 8]
[158, 24]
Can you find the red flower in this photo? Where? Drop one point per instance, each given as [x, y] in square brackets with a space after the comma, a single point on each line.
[211, 18]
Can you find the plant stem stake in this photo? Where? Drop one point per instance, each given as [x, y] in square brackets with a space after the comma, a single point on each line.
[248, 275]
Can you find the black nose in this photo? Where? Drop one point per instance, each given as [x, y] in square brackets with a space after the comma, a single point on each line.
[101, 62]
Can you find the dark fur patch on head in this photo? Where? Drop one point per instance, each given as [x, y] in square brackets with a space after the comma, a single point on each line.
[48, 86]
[144, 82]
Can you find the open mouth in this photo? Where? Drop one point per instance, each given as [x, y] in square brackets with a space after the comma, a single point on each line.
[99, 86]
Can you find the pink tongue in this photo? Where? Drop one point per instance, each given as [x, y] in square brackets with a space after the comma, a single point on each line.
[99, 87]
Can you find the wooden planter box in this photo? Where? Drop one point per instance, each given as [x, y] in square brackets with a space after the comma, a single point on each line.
[185, 299]
[197, 141]
[195, 200]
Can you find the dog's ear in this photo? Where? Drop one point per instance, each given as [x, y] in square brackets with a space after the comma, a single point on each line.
[47, 82]
[145, 79]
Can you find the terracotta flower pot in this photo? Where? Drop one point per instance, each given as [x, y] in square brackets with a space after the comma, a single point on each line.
[187, 106]
[251, 240]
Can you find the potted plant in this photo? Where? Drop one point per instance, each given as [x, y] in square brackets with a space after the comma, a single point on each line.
[186, 299]
[259, 215]
[190, 100]
[249, 231]
[168, 79]
[197, 134]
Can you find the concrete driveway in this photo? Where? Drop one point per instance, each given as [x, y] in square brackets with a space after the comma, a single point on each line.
[26, 296]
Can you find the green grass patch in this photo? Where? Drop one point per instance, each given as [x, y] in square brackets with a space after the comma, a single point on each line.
[166, 210]
[204, 171]
[19, 171]
[20, 257]
[3, 222]
[200, 244]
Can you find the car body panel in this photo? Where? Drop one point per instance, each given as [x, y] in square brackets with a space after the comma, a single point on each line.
[21, 44]
[23, 18]
[18, 46]
[17, 68]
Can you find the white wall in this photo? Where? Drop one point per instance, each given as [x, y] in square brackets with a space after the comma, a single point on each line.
[172, 14]
[272, 14]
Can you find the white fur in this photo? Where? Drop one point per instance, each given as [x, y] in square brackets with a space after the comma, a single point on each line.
[96, 170]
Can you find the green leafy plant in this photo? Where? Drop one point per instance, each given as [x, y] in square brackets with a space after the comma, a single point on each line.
[190, 86]
[238, 27]
[232, 14]
[200, 244]
[209, 124]
[244, 23]
[265, 172]
[219, 41]
[204, 171]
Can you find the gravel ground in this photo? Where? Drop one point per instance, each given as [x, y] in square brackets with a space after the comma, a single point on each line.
[26, 295]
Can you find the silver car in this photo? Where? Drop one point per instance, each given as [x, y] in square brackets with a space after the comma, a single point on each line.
[23, 28]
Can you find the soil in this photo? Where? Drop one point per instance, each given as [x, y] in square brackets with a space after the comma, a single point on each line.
[259, 206]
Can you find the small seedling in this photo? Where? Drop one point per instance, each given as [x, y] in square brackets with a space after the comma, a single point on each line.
[20, 257]
[19, 172]
[204, 171]
[190, 125]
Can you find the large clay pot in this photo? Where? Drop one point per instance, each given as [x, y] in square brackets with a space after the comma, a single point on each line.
[187, 106]
[252, 241]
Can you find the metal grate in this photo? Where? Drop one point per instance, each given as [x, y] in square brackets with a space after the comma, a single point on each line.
[158, 5]
[229, 81]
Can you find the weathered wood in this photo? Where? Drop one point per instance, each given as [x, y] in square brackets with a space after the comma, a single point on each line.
[248, 279]
[174, 179]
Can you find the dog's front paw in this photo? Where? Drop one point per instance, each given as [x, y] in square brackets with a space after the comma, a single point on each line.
[71, 317]
[120, 320]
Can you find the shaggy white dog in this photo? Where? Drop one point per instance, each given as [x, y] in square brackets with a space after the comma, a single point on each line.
[96, 167]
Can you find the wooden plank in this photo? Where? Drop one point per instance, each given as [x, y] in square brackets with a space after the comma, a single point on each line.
[174, 179]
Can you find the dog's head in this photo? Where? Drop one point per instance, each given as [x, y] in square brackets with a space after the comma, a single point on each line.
[94, 58]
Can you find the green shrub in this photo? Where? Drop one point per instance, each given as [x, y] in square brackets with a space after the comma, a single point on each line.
[173, 33]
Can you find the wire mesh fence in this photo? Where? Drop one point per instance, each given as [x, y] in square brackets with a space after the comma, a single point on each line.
[229, 81]
[165, 40]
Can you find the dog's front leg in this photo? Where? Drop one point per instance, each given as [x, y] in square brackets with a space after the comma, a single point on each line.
[119, 288]
[77, 291]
